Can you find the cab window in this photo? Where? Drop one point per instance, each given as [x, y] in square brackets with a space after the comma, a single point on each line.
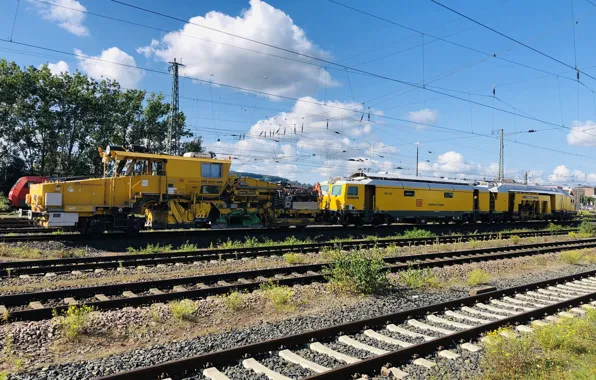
[211, 170]
[206, 189]
[353, 190]
[448, 195]
[324, 189]
[336, 190]
[409, 193]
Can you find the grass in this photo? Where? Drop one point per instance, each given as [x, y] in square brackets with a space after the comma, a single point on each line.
[150, 249]
[416, 278]
[281, 297]
[565, 350]
[587, 228]
[4, 203]
[183, 310]
[515, 239]
[233, 301]
[24, 251]
[294, 258]
[555, 227]
[571, 257]
[478, 277]
[416, 233]
[254, 242]
[75, 321]
[360, 271]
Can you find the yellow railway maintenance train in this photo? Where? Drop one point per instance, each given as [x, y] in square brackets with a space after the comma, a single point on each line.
[382, 198]
[160, 191]
[141, 190]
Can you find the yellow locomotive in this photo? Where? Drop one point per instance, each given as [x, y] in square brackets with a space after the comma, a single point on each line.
[161, 191]
[383, 198]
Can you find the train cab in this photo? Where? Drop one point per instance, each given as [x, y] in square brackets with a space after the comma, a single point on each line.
[18, 193]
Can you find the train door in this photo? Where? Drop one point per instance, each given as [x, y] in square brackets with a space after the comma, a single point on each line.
[369, 197]
[476, 201]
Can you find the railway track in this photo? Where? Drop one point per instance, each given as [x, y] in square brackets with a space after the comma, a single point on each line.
[350, 350]
[14, 268]
[43, 304]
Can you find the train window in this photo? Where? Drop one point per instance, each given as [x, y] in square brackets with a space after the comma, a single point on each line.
[206, 189]
[324, 189]
[336, 190]
[409, 193]
[211, 170]
[448, 195]
[353, 190]
[158, 168]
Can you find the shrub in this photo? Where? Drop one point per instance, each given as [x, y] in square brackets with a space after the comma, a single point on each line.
[184, 309]
[358, 271]
[294, 258]
[233, 301]
[416, 233]
[188, 247]
[554, 227]
[587, 228]
[150, 249]
[477, 277]
[514, 239]
[4, 204]
[473, 243]
[279, 296]
[571, 257]
[417, 278]
[75, 321]
[590, 258]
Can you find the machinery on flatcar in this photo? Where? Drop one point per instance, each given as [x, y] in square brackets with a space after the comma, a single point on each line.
[18, 193]
[160, 191]
[381, 198]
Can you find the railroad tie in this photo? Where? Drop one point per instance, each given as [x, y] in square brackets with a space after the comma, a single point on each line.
[386, 339]
[362, 346]
[496, 309]
[465, 317]
[448, 354]
[261, 369]
[424, 326]
[471, 347]
[214, 374]
[36, 305]
[520, 302]
[552, 318]
[539, 323]
[579, 286]
[443, 321]
[546, 293]
[505, 304]
[76, 272]
[3, 311]
[243, 281]
[535, 300]
[588, 307]
[101, 297]
[179, 288]
[572, 289]
[155, 291]
[482, 313]
[50, 274]
[322, 349]
[24, 276]
[128, 294]
[404, 332]
[304, 363]
[70, 301]
[424, 363]
[223, 283]
[524, 329]
[98, 270]
[394, 373]
[578, 311]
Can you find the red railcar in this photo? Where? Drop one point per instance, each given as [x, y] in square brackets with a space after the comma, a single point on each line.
[19, 191]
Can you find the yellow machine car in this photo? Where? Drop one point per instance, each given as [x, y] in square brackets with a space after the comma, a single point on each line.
[161, 191]
[366, 198]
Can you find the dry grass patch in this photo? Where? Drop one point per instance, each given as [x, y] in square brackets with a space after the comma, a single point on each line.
[478, 277]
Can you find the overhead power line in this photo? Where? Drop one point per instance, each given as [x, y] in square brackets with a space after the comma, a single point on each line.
[513, 39]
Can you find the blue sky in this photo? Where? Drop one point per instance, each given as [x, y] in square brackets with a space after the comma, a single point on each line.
[329, 104]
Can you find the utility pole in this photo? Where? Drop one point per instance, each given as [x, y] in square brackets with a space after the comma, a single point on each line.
[174, 106]
[417, 144]
[526, 178]
[501, 158]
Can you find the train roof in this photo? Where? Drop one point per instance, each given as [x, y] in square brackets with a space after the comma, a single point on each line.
[120, 154]
[519, 188]
[409, 178]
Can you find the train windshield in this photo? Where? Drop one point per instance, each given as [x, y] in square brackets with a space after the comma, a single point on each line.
[325, 189]
[336, 190]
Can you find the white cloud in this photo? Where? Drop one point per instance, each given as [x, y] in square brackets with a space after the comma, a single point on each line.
[206, 52]
[582, 133]
[423, 116]
[127, 76]
[58, 67]
[324, 142]
[563, 175]
[69, 19]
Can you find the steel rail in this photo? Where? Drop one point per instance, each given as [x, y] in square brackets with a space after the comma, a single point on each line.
[75, 237]
[12, 268]
[305, 274]
[192, 364]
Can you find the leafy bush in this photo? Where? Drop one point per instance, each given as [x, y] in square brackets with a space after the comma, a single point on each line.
[233, 301]
[294, 258]
[184, 309]
[416, 233]
[554, 227]
[75, 321]
[279, 296]
[4, 204]
[515, 239]
[587, 228]
[359, 271]
[473, 243]
[477, 277]
[188, 247]
[150, 249]
[417, 278]
[571, 257]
